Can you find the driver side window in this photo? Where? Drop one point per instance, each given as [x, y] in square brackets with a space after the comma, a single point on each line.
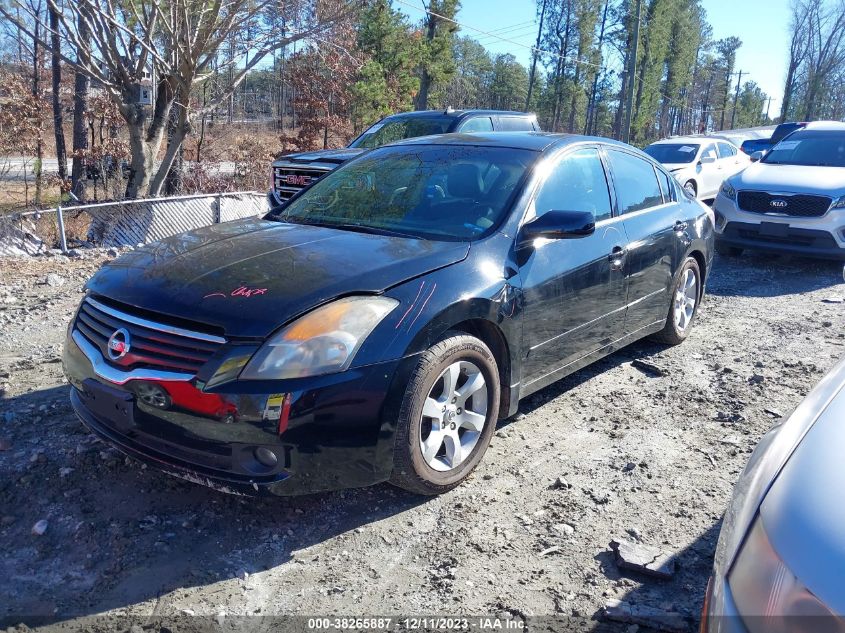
[576, 183]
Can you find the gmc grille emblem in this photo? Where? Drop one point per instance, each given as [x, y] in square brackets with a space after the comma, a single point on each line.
[297, 180]
[779, 204]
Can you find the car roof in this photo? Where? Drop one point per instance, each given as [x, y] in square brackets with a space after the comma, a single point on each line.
[460, 113]
[533, 141]
[690, 139]
[829, 126]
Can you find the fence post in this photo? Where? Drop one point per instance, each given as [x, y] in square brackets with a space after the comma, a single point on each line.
[218, 211]
[61, 218]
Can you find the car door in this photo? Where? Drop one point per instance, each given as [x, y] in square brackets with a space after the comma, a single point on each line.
[730, 160]
[573, 289]
[648, 208]
[710, 173]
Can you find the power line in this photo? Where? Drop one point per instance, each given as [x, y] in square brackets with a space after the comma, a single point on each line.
[538, 50]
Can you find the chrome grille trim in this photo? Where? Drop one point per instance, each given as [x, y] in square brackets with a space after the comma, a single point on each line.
[152, 325]
[117, 376]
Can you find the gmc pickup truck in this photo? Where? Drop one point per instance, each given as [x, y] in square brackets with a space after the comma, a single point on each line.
[293, 172]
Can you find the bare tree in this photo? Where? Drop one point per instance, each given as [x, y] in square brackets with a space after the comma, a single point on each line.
[58, 117]
[174, 43]
[797, 54]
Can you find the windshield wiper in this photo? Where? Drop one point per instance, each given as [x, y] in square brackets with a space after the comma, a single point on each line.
[375, 230]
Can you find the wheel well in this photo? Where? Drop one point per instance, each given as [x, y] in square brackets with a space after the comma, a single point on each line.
[698, 256]
[492, 336]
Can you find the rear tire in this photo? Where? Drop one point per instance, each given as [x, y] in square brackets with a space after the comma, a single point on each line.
[448, 415]
[728, 251]
[683, 304]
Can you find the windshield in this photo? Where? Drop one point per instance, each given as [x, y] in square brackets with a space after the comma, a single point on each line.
[668, 153]
[398, 128]
[810, 149]
[441, 192]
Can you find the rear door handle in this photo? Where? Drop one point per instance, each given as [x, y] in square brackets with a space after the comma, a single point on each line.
[680, 226]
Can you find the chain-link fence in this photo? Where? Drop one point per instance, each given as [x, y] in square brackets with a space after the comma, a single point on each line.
[126, 223]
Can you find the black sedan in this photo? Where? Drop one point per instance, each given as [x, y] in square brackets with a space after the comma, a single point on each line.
[377, 326]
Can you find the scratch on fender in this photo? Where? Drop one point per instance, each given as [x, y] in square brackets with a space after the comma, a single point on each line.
[425, 303]
[411, 307]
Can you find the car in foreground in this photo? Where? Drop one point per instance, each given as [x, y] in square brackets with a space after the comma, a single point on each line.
[700, 163]
[792, 201]
[293, 172]
[752, 146]
[781, 550]
[377, 326]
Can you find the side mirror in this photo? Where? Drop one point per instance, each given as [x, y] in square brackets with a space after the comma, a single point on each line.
[709, 158]
[559, 225]
[757, 156]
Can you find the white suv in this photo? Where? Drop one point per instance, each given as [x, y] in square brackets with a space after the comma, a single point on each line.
[792, 201]
[700, 163]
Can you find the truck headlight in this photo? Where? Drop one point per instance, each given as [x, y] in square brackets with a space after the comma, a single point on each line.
[769, 597]
[728, 191]
[323, 341]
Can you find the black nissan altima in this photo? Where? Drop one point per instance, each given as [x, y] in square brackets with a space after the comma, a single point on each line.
[377, 326]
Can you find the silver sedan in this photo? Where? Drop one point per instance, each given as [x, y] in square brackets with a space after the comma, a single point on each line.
[780, 561]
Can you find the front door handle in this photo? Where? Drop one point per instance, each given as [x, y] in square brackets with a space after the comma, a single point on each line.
[680, 227]
[617, 258]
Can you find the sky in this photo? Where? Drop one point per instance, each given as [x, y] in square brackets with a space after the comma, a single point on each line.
[760, 24]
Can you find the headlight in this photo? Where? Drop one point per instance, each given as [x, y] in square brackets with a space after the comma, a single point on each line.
[769, 597]
[321, 342]
[728, 191]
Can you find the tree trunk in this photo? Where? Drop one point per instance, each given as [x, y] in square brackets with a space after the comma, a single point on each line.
[425, 77]
[80, 127]
[58, 117]
[38, 166]
[173, 179]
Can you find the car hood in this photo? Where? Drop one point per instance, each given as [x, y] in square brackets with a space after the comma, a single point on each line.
[327, 155]
[282, 270]
[804, 511]
[792, 178]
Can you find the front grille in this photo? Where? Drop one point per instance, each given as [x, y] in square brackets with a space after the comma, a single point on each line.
[797, 205]
[288, 179]
[151, 344]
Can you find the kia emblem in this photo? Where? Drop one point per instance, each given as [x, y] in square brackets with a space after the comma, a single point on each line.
[778, 204]
[118, 345]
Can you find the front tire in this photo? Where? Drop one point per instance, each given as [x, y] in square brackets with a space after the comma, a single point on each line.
[690, 188]
[687, 292]
[447, 417]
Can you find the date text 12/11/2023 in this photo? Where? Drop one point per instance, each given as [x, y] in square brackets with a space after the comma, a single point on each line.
[416, 623]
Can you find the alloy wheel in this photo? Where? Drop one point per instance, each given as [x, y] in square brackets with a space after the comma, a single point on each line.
[152, 395]
[453, 416]
[686, 296]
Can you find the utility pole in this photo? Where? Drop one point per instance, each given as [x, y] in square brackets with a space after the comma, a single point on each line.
[534, 61]
[736, 99]
[768, 105]
[632, 73]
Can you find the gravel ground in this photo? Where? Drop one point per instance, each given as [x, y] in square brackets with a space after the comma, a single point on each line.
[618, 449]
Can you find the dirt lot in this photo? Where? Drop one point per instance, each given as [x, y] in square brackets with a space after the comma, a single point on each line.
[612, 451]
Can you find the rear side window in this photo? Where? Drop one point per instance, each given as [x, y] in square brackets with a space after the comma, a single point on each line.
[477, 124]
[726, 150]
[576, 183]
[666, 187]
[515, 124]
[635, 182]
